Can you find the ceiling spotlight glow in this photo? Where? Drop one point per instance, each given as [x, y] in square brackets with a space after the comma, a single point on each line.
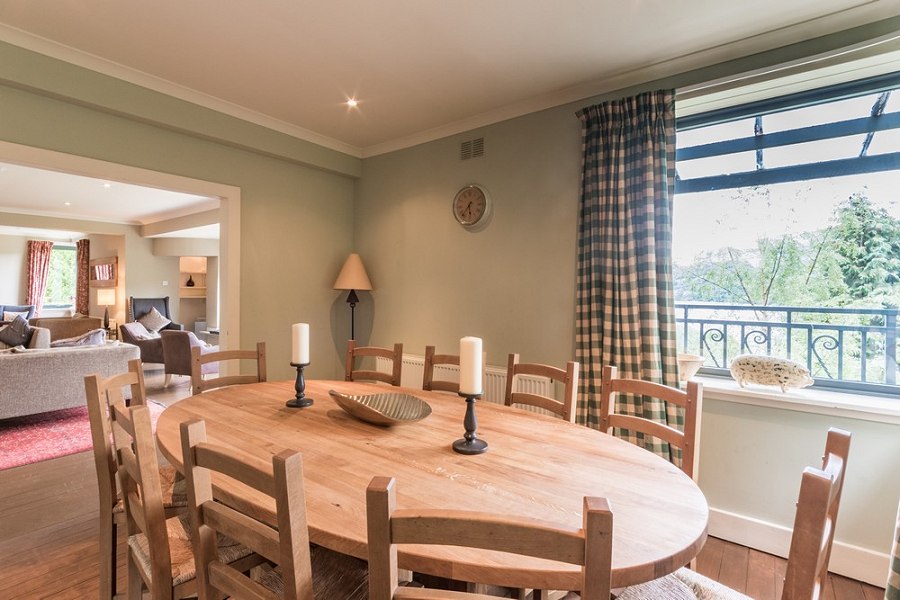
[352, 102]
[67, 203]
[107, 185]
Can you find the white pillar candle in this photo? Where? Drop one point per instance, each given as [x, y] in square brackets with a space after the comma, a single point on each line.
[300, 343]
[470, 378]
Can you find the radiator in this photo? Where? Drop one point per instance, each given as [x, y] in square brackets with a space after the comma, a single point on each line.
[494, 379]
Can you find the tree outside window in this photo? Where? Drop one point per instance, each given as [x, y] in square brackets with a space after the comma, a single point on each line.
[62, 279]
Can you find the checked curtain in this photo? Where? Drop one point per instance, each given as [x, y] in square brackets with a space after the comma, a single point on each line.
[624, 300]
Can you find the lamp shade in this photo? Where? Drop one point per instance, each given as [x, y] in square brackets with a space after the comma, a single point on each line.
[106, 296]
[353, 275]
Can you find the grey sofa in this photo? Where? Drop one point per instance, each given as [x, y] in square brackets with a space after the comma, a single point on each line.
[41, 380]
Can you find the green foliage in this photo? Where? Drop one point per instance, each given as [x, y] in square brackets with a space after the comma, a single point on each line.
[62, 278]
[868, 243]
[856, 261]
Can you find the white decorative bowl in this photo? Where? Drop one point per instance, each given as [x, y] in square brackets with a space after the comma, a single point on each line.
[389, 408]
[688, 365]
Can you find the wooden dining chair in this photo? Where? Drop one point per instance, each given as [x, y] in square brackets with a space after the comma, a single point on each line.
[432, 359]
[354, 352]
[568, 376]
[690, 400]
[429, 383]
[102, 394]
[302, 572]
[564, 409]
[160, 555]
[590, 546]
[811, 541]
[200, 384]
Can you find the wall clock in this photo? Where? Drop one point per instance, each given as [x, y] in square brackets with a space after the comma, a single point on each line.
[472, 207]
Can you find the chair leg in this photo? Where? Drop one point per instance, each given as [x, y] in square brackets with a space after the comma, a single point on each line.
[168, 380]
[107, 557]
[135, 582]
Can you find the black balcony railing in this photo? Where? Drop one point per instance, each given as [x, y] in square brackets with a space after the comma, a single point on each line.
[848, 348]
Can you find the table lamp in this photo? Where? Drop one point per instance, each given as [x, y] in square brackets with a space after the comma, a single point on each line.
[353, 277]
[106, 297]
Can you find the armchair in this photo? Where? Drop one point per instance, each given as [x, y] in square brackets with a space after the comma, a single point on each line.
[176, 347]
[151, 346]
[138, 307]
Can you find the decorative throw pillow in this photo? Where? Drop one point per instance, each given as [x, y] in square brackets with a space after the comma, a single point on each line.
[17, 333]
[137, 330]
[11, 315]
[94, 337]
[153, 320]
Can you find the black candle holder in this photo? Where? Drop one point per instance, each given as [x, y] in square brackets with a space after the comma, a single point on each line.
[299, 401]
[470, 444]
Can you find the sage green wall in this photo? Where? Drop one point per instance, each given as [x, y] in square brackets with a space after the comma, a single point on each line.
[512, 283]
[751, 458]
[296, 218]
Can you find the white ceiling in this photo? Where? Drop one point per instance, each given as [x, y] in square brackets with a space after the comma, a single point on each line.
[26, 190]
[421, 69]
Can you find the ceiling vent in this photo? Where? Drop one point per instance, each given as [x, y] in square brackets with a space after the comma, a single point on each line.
[471, 149]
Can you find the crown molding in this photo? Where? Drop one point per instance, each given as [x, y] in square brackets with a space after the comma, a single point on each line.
[863, 13]
[70, 55]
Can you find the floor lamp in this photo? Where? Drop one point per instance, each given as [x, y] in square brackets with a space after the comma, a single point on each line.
[353, 277]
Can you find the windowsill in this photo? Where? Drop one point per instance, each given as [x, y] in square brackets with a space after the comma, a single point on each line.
[822, 402]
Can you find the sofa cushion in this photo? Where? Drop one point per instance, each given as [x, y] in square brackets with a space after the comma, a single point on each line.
[10, 315]
[154, 320]
[95, 337]
[17, 333]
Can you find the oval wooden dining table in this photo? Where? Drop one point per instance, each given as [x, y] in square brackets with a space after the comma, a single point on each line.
[536, 466]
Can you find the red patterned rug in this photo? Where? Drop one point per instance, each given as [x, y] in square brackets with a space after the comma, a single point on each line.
[31, 439]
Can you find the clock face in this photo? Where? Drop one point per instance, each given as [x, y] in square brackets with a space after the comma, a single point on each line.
[470, 206]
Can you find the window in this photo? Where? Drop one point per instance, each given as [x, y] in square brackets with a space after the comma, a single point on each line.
[61, 282]
[787, 233]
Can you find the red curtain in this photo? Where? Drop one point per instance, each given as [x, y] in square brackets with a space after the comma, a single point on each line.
[82, 266]
[38, 273]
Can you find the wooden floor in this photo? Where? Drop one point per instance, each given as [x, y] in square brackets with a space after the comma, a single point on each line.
[48, 534]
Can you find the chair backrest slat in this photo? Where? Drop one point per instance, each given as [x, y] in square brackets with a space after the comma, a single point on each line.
[354, 351]
[287, 544]
[691, 400]
[568, 377]
[429, 383]
[198, 359]
[589, 547]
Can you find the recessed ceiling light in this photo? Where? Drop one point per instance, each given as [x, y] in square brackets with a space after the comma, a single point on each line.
[67, 203]
[352, 102]
[107, 185]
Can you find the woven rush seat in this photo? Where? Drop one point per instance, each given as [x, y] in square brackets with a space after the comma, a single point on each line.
[334, 575]
[183, 567]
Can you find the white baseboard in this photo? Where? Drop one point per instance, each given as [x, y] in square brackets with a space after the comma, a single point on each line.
[847, 560]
